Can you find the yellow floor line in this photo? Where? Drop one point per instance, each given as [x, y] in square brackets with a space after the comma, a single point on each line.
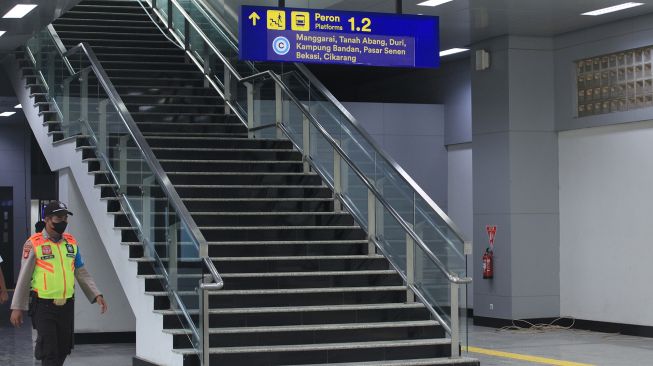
[517, 356]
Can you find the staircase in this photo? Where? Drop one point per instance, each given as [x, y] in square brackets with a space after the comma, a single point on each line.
[300, 285]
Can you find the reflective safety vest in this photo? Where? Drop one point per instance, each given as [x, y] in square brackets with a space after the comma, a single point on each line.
[54, 270]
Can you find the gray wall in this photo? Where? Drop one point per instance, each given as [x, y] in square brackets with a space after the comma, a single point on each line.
[15, 172]
[605, 223]
[413, 135]
[453, 89]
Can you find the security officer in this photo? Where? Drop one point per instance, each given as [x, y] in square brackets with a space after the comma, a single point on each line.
[51, 262]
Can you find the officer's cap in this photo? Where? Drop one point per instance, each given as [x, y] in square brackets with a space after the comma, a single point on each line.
[55, 208]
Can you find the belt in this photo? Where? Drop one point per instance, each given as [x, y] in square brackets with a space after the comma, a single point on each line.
[58, 302]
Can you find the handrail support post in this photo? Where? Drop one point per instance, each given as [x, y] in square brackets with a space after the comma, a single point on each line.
[148, 229]
[84, 97]
[410, 268]
[278, 107]
[227, 89]
[337, 181]
[306, 143]
[172, 225]
[102, 128]
[204, 324]
[122, 164]
[250, 108]
[66, 104]
[170, 15]
[186, 35]
[455, 321]
[371, 222]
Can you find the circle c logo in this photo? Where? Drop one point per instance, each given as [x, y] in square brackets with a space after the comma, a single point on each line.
[281, 46]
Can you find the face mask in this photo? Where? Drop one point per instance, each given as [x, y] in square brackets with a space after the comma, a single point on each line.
[59, 227]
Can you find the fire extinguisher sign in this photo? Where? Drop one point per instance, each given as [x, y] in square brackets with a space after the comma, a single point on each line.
[488, 256]
[491, 233]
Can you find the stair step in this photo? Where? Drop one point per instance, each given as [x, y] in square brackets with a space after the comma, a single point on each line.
[266, 259]
[283, 274]
[410, 362]
[298, 309]
[311, 327]
[285, 291]
[283, 242]
[323, 347]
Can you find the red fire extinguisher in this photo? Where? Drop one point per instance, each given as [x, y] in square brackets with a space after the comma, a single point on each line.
[488, 265]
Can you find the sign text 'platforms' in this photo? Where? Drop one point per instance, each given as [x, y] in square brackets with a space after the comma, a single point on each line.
[338, 37]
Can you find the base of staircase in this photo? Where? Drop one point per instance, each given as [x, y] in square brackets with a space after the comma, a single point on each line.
[105, 337]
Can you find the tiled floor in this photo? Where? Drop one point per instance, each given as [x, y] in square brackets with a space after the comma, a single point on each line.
[16, 350]
[568, 345]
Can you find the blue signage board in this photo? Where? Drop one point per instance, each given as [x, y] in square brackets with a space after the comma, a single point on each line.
[338, 37]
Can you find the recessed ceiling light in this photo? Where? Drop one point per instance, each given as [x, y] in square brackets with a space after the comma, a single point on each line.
[451, 51]
[2, 32]
[19, 11]
[18, 106]
[433, 2]
[7, 114]
[612, 9]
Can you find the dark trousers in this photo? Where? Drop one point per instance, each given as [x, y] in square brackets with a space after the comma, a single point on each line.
[54, 325]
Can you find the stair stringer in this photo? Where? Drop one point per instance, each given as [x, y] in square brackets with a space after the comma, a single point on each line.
[152, 344]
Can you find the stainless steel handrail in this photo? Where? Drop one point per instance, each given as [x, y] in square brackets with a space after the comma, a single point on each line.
[323, 89]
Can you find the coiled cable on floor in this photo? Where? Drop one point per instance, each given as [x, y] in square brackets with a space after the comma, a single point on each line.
[521, 325]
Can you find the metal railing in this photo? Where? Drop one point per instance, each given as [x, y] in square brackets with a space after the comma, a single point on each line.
[88, 105]
[408, 236]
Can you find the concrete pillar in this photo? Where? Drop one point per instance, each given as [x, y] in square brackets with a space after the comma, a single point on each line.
[515, 173]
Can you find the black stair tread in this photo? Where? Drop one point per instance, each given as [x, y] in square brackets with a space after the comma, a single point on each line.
[243, 173]
[179, 96]
[73, 11]
[198, 134]
[217, 186]
[271, 258]
[323, 346]
[410, 362]
[147, 104]
[120, 4]
[187, 161]
[283, 274]
[147, 43]
[305, 308]
[280, 242]
[208, 199]
[118, 26]
[170, 49]
[157, 87]
[87, 32]
[146, 23]
[259, 292]
[256, 228]
[315, 327]
[249, 213]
